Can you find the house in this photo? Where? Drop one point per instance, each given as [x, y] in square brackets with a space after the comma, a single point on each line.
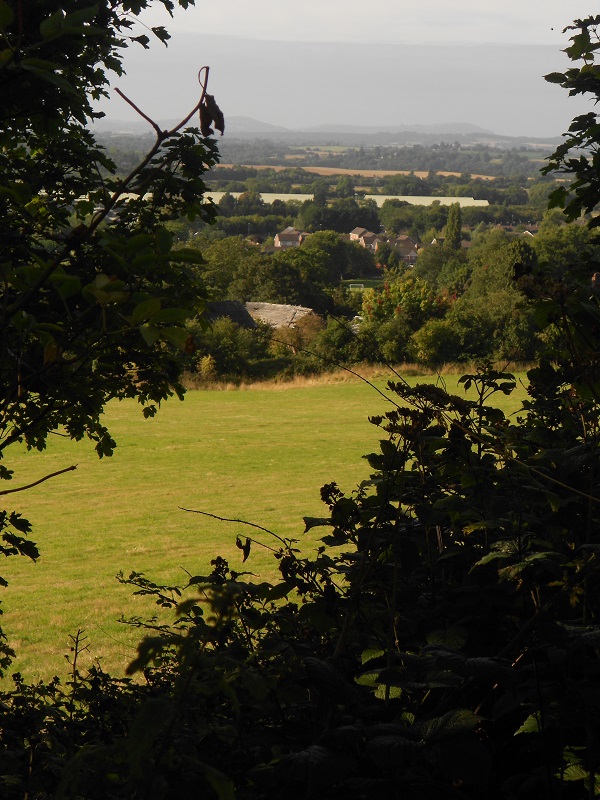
[357, 233]
[365, 238]
[289, 237]
[407, 248]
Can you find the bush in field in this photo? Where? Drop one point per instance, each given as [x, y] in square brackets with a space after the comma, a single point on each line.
[439, 341]
[232, 349]
[298, 337]
[338, 343]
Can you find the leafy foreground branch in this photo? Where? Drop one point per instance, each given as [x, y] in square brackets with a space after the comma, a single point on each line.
[442, 641]
[94, 298]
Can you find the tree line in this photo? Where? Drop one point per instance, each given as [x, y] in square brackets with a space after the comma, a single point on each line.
[457, 304]
[475, 159]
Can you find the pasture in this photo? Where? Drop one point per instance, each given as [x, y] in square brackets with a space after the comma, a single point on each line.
[259, 455]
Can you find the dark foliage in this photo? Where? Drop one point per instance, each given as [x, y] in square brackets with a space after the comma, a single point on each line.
[93, 297]
[442, 641]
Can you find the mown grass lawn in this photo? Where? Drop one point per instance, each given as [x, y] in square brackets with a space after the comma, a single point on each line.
[257, 455]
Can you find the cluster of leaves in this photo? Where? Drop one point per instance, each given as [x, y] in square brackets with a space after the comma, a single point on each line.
[94, 298]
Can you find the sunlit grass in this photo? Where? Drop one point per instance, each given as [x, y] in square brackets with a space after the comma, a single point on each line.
[255, 455]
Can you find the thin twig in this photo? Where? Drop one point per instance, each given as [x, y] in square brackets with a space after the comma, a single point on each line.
[239, 521]
[41, 480]
[140, 112]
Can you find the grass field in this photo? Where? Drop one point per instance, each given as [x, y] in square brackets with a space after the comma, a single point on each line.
[257, 455]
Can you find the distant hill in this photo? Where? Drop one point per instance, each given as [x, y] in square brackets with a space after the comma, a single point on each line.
[463, 128]
[247, 128]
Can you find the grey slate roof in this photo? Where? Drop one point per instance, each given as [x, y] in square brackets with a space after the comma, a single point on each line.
[277, 315]
[232, 309]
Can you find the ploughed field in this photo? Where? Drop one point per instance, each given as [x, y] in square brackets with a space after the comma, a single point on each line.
[259, 455]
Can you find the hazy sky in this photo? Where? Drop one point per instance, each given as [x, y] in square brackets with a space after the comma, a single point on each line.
[401, 21]
[381, 62]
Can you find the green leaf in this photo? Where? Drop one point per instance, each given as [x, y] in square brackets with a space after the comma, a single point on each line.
[77, 18]
[150, 334]
[450, 724]
[151, 719]
[546, 312]
[555, 77]
[220, 783]
[531, 725]
[575, 773]
[53, 25]
[178, 337]
[369, 655]
[52, 77]
[452, 637]
[279, 591]
[164, 240]
[170, 315]
[6, 15]
[139, 242]
[145, 310]
[187, 255]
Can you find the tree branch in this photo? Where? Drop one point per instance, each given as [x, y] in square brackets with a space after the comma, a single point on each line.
[41, 480]
[239, 521]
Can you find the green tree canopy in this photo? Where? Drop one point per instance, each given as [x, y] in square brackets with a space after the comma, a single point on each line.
[94, 297]
[453, 228]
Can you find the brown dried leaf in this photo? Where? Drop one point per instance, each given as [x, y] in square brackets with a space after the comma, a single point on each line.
[215, 113]
[205, 121]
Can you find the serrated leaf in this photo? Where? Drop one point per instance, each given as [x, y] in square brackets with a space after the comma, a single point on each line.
[383, 692]
[555, 77]
[450, 724]
[369, 655]
[531, 725]
[327, 678]
[138, 242]
[150, 720]
[388, 750]
[369, 678]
